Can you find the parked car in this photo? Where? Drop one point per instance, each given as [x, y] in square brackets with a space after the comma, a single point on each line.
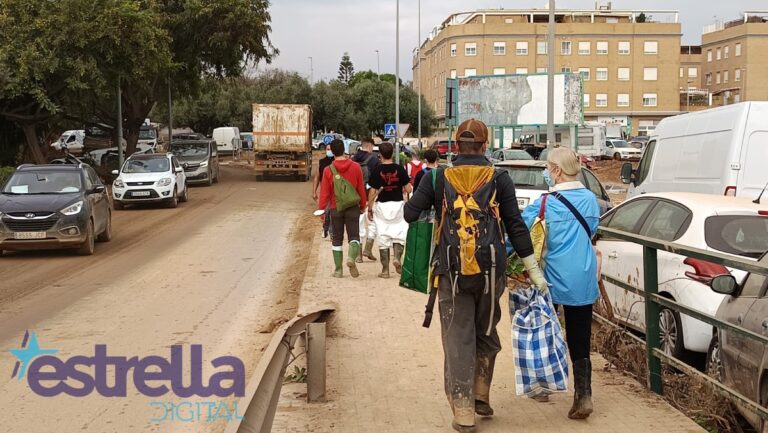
[441, 146]
[54, 207]
[71, 140]
[639, 142]
[199, 158]
[735, 360]
[586, 161]
[189, 136]
[148, 136]
[510, 155]
[728, 225]
[529, 182]
[246, 138]
[618, 150]
[150, 178]
[227, 139]
[722, 150]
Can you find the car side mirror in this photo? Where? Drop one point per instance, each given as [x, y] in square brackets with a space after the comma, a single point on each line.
[626, 173]
[178, 170]
[724, 284]
[115, 172]
[98, 189]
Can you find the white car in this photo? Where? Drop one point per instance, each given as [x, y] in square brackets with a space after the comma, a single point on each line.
[621, 150]
[72, 140]
[729, 225]
[148, 178]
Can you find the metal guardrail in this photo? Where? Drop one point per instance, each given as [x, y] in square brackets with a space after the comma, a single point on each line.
[653, 302]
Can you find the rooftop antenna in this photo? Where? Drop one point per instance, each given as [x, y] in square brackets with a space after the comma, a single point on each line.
[757, 200]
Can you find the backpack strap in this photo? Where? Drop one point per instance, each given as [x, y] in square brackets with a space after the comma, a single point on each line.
[543, 206]
[573, 210]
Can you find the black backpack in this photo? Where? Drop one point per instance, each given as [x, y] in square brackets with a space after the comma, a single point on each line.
[365, 168]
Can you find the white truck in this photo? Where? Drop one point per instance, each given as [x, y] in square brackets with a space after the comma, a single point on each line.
[282, 140]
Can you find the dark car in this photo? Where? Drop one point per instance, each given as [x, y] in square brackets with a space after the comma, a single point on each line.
[199, 158]
[53, 207]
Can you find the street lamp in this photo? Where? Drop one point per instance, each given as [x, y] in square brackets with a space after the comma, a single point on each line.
[311, 70]
[688, 97]
[378, 65]
[397, 83]
[418, 67]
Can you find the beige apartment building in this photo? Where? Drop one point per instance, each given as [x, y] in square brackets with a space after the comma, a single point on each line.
[630, 60]
[734, 59]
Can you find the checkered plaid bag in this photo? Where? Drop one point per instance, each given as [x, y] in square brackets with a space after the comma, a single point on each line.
[541, 365]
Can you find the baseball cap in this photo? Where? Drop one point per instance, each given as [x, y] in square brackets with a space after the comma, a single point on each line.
[472, 131]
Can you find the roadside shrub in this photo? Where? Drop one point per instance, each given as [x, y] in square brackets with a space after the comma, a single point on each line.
[5, 173]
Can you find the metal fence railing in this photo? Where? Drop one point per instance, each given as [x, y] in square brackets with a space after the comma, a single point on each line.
[653, 301]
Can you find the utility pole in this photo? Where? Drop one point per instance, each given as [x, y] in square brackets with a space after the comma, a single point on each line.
[397, 83]
[311, 71]
[120, 149]
[551, 77]
[418, 67]
[170, 116]
[378, 65]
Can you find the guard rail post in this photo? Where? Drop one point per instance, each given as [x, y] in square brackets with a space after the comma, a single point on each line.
[651, 286]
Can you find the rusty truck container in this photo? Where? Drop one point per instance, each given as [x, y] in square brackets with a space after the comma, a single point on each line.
[282, 140]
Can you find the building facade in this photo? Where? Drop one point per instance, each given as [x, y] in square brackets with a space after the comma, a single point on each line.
[629, 64]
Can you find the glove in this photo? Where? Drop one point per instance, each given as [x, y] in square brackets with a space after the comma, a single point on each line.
[535, 274]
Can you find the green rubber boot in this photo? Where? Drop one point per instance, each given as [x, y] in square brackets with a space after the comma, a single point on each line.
[384, 254]
[338, 259]
[354, 254]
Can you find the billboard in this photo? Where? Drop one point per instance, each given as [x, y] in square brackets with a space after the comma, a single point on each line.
[509, 100]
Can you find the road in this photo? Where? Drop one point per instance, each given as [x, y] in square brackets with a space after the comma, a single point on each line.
[221, 270]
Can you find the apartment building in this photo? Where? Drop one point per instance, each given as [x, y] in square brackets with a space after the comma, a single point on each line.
[629, 60]
[693, 95]
[734, 59]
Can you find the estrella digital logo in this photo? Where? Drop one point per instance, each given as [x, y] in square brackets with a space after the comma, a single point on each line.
[49, 375]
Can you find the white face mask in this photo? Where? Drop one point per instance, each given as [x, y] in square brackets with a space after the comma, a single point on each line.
[329, 154]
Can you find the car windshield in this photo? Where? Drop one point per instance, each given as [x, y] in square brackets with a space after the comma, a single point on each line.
[744, 235]
[517, 155]
[620, 143]
[146, 134]
[152, 165]
[190, 149]
[43, 182]
[527, 177]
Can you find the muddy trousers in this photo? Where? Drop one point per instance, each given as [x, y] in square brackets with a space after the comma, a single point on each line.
[470, 354]
[347, 220]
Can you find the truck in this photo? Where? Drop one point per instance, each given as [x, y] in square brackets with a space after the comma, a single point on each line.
[282, 140]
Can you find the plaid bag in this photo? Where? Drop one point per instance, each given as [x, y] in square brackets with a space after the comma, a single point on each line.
[541, 365]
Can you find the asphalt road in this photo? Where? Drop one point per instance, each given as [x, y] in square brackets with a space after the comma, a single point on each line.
[220, 270]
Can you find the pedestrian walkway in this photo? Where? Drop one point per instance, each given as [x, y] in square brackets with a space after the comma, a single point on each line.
[385, 371]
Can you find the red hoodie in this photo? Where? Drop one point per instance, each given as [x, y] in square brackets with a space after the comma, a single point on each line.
[349, 170]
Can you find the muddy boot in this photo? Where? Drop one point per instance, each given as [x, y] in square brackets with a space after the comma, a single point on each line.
[384, 254]
[338, 259]
[483, 376]
[359, 258]
[463, 416]
[398, 251]
[354, 254]
[368, 252]
[582, 397]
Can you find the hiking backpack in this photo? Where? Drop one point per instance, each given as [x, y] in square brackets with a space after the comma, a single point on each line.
[413, 167]
[343, 191]
[366, 168]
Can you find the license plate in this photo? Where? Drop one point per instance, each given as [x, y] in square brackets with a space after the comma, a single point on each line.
[140, 194]
[29, 235]
[522, 202]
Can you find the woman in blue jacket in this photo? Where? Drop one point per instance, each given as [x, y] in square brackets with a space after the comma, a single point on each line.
[569, 262]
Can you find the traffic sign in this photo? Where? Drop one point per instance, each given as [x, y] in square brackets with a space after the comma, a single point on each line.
[390, 130]
[327, 139]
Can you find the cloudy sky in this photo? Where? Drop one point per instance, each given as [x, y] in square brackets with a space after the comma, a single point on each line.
[325, 29]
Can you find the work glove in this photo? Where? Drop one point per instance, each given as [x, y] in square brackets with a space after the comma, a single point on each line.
[535, 274]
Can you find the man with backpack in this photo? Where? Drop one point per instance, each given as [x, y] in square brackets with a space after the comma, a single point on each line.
[475, 205]
[342, 189]
[368, 161]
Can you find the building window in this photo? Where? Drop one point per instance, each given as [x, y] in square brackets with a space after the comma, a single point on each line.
[521, 71]
[651, 47]
[521, 48]
[565, 48]
[541, 47]
[470, 72]
[725, 76]
[601, 100]
[470, 49]
[623, 74]
[541, 70]
[719, 54]
[646, 127]
[565, 69]
[726, 51]
[622, 100]
[499, 48]
[650, 74]
[693, 72]
[737, 75]
[499, 71]
[624, 48]
[709, 55]
[738, 49]
[709, 79]
[453, 74]
[586, 99]
[453, 50]
[717, 77]
[584, 73]
[649, 100]
[585, 48]
[602, 48]
[601, 74]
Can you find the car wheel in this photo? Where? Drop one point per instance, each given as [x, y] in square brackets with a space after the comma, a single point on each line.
[210, 178]
[714, 366]
[617, 156]
[89, 245]
[670, 332]
[118, 205]
[185, 196]
[216, 179]
[173, 201]
[106, 235]
[764, 402]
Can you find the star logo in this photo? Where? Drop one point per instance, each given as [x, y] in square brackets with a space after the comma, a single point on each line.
[30, 349]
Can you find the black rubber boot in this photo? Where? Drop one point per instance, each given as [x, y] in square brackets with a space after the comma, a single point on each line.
[582, 397]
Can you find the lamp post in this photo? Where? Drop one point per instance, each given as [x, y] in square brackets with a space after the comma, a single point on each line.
[311, 71]
[418, 67]
[120, 149]
[688, 97]
[378, 65]
[397, 83]
[551, 76]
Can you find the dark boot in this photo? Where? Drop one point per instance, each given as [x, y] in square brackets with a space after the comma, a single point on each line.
[354, 254]
[398, 251]
[582, 397]
[338, 259]
[368, 251]
[384, 254]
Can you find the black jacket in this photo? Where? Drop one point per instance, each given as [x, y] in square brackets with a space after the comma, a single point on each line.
[424, 198]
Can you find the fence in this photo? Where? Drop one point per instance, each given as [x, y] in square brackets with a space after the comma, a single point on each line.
[653, 301]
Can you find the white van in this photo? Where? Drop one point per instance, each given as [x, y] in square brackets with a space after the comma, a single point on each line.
[227, 139]
[721, 151]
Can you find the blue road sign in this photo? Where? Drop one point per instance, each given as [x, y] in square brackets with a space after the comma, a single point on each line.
[390, 130]
[327, 139]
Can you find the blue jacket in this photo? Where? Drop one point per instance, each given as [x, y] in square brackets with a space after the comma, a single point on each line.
[569, 261]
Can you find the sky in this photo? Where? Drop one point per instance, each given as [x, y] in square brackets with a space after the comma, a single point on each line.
[326, 29]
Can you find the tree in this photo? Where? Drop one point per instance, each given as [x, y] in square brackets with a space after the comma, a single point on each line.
[642, 18]
[346, 69]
